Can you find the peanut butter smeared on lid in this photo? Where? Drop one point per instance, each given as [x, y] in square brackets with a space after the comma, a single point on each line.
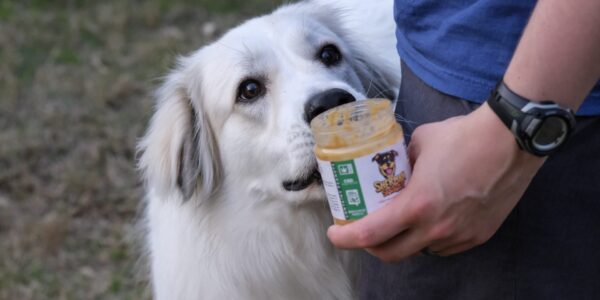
[354, 127]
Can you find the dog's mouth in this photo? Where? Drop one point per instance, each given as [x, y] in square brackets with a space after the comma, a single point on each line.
[303, 182]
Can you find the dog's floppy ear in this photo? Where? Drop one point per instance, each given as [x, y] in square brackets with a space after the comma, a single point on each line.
[394, 153]
[379, 80]
[179, 151]
[376, 157]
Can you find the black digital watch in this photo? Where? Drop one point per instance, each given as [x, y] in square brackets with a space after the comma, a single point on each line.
[540, 128]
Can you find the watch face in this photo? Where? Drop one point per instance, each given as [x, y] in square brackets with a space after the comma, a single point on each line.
[550, 134]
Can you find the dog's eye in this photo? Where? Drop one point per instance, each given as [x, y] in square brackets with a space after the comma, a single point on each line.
[330, 55]
[249, 90]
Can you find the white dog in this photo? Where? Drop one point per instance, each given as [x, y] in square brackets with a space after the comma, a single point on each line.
[234, 209]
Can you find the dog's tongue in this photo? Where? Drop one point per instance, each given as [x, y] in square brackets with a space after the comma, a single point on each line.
[389, 171]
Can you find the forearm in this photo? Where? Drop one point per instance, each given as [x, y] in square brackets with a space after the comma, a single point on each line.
[558, 56]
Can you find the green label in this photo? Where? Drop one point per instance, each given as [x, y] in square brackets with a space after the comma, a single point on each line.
[348, 186]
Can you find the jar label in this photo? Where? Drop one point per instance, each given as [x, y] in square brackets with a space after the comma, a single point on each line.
[358, 186]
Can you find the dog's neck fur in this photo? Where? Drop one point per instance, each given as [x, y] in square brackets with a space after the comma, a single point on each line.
[245, 252]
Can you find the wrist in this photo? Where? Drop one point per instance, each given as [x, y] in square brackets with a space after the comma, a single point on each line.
[539, 127]
[500, 139]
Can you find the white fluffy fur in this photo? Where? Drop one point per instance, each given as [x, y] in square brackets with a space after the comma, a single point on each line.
[219, 224]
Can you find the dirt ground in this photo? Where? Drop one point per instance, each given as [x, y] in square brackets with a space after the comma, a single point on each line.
[76, 79]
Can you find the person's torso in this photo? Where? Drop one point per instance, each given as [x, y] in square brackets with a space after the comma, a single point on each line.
[462, 47]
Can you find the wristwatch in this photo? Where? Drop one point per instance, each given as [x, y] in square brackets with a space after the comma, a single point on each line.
[540, 128]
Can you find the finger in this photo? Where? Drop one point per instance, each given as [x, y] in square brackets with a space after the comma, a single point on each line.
[454, 249]
[449, 243]
[407, 244]
[412, 152]
[455, 118]
[418, 138]
[376, 227]
[439, 245]
[413, 149]
[370, 251]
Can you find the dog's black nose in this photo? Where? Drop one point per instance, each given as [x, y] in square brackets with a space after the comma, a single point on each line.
[323, 101]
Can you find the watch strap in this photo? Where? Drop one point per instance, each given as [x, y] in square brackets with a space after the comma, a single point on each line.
[524, 118]
[506, 104]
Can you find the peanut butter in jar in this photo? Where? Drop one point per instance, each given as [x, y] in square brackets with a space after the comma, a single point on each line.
[362, 157]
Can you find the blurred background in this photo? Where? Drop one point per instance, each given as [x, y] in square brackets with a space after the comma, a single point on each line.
[76, 84]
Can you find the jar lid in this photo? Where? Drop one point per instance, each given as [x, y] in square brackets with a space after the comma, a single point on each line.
[353, 123]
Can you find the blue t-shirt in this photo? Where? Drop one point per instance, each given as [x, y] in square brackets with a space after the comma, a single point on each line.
[463, 47]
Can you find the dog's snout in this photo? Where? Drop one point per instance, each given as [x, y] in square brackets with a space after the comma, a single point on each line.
[323, 101]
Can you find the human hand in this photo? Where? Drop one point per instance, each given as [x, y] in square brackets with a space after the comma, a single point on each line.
[468, 174]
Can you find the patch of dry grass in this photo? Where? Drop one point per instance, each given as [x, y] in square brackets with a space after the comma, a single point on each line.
[76, 79]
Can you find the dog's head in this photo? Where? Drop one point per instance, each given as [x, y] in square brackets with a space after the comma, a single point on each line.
[386, 162]
[237, 112]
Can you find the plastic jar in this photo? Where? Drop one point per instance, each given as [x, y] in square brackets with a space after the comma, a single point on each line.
[362, 157]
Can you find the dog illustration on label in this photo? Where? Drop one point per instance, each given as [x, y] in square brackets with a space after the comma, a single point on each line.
[387, 167]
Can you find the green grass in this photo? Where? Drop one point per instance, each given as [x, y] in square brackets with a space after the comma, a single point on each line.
[76, 84]
[6, 10]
